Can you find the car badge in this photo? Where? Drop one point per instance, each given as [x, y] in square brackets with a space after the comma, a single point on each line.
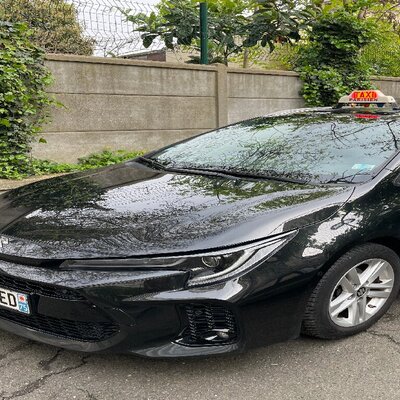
[3, 241]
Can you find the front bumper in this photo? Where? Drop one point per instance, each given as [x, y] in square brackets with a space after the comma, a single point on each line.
[151, 313]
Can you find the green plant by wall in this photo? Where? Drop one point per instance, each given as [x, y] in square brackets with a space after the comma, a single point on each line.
[330, 64]
[23, 100]
[54, 24]
[95, 160]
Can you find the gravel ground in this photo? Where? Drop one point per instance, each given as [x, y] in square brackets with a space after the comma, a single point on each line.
[366, 366]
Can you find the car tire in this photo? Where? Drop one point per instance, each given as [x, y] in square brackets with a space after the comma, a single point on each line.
[341, 304]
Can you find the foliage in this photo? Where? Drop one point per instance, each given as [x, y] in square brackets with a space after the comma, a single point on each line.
[53, 22]
[278, 21]
[233, 24]
[330, 64]
[23, 100]
[214, 53]
[322, 86]
[383, 55]
[96, 160]
[386, 11]
[283, 57]
[107, 157]
[177, 22]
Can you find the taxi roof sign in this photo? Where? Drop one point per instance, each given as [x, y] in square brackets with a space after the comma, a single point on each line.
[365, 97]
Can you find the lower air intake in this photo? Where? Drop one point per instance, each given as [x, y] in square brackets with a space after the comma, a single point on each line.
[209, 325]
[75, 330]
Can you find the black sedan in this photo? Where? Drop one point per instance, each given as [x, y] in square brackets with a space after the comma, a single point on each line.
[243, 236]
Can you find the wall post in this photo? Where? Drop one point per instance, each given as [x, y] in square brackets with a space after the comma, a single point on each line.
[222, 95]
[204, 33]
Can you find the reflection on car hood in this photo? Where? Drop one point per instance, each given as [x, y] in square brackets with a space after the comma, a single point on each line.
[132, 210]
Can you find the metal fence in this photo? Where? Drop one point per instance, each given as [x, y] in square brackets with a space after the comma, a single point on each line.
[103, 28]
[113, 35]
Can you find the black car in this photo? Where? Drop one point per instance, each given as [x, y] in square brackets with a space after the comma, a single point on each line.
[243, 236]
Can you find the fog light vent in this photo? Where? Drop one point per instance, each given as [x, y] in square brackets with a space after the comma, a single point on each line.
[209, 324]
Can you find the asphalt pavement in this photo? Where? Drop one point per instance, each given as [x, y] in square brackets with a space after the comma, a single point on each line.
[366, 366]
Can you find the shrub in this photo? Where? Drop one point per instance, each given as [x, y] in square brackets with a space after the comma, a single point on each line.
[23, 100]
[54, 24]
[330, 64]
[96, 160]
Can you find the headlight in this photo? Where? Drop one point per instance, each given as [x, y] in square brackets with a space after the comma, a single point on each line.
[204, 268]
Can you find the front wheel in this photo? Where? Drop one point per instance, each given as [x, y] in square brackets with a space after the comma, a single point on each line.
[354, 293]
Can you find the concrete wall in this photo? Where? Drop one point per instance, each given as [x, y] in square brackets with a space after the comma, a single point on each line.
[253, 93]
[141, 105]
[130, 104]
[389, 86]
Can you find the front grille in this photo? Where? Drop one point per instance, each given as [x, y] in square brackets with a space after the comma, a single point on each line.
[82, 331]
[41, 289]
[209, 324]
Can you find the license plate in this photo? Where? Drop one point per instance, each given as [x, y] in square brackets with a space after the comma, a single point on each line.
[14, 301]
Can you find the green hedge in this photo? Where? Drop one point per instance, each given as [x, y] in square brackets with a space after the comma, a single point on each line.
[330, 64]
[23, 101]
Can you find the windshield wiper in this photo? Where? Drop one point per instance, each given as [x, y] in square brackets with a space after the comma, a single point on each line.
[244, 174]
[230, 172]
[347, 179]
[153, 162]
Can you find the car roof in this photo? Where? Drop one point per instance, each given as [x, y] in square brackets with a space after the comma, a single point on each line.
[318, 111]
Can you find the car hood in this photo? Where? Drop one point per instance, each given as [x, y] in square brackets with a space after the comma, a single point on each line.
[133, 210]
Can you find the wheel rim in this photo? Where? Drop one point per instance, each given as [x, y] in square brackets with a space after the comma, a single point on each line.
[361, 292]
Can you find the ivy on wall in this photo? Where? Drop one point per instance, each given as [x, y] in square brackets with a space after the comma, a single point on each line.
[24, 103]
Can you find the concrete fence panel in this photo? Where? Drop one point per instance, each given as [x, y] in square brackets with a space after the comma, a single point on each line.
[141, 105]
[254, 93]
[389, 86]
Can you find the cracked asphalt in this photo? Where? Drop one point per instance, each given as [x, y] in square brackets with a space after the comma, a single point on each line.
[366, 366]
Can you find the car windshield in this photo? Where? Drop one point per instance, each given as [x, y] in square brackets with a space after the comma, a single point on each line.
[316, 147]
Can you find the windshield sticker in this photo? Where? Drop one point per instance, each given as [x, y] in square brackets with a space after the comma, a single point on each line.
[363, 167]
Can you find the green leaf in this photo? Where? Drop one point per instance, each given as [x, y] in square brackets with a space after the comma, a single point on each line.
[5, 122]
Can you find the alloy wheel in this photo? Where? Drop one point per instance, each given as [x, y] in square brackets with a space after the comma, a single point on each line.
[361, 292]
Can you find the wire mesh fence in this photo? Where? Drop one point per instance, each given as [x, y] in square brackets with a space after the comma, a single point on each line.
[104, 22]
[100, 24]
